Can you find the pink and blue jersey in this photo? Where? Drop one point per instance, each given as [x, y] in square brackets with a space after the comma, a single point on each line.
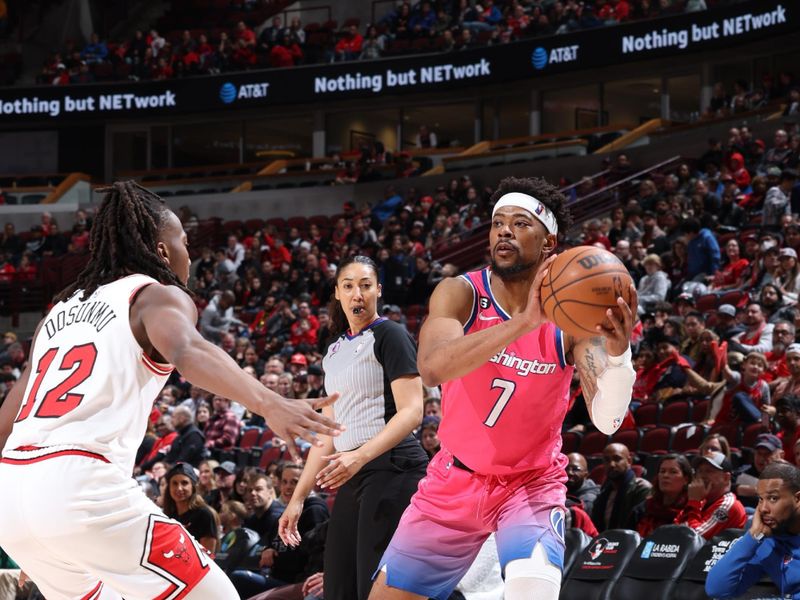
[500, 468]
[505, 417]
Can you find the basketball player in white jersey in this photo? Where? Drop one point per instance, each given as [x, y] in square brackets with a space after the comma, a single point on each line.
[70, 513]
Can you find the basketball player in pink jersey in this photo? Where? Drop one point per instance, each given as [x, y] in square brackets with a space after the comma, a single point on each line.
[70, 513]
[505, 374]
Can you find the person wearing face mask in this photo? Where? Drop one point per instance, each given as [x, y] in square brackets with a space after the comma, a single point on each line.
[771, 545]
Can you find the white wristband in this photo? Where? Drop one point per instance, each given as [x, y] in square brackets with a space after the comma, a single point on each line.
[624, 358]
[614, 387]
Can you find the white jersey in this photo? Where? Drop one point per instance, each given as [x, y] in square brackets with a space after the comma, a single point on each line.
[91, 385]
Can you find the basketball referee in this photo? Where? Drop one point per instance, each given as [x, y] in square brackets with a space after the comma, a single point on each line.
[376, 463]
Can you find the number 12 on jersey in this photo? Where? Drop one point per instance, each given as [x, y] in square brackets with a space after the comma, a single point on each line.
[507, 388]
[59, 400]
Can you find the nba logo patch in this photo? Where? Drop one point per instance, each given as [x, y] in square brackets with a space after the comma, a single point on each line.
[557, 518]
[336, 346]
[484, 302]
[539, 209]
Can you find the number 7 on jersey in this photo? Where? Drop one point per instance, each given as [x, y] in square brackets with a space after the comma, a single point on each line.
[507, 388]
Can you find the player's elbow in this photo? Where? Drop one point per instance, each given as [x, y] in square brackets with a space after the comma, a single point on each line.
[430, 375]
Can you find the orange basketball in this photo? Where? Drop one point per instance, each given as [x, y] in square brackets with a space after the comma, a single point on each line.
[581, 285]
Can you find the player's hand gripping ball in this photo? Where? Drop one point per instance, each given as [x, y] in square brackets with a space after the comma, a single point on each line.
[581, 285]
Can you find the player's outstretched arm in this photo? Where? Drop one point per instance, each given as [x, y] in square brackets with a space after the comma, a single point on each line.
[605, 369]
[445, 353]
[168, 316]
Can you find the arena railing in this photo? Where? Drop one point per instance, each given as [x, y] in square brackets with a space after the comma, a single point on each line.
[470, 249]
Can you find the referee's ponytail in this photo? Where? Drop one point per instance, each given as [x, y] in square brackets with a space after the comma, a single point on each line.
[338, 320]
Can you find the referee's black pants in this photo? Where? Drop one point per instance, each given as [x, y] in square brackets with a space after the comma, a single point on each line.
[365, 516]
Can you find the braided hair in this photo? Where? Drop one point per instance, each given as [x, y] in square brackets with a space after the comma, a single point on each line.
[123, 240]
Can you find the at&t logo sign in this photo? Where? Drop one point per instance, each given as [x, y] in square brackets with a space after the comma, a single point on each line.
[229, 93]
[541, 57]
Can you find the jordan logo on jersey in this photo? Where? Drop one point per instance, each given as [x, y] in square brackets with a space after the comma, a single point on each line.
[523, 366]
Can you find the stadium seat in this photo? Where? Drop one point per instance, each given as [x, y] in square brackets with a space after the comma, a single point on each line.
[676, 413]
[268, 456]
[629, 438]
[751, 432]
[570, 441]
[707, 302]
[598, 474]
[593, 443]
[729, 430]
[700, 410]
[599, 566]
[576, 541]
[656, 440]
[658, 562]
[688, 437]
[647, 414]
[692, 584]
[734, 298]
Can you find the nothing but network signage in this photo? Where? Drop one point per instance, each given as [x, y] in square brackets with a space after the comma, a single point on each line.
[524, 60]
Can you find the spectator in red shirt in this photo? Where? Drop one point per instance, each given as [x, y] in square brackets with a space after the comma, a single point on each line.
[595, 236]
[222, 430]
[285, 54]
[788, 417]
[7, 270]
[615, 12]
[243, 55]
[245, 34]
[732, 275]
[712, 507]
[26, 270]
[349, 47]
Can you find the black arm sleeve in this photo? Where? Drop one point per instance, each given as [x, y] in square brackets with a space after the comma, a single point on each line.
[395, 350]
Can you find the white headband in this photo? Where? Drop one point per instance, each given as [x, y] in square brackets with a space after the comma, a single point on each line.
[793, 349]
[532, 205]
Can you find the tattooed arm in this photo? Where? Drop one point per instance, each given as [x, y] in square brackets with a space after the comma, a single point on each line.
[604, 366]
[591, 359]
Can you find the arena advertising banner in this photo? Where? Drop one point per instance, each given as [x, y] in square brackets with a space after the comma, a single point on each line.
[520, 61]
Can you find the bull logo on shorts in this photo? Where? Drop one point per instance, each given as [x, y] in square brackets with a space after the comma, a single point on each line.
[183, 552]
[557, 519]
[171, 553]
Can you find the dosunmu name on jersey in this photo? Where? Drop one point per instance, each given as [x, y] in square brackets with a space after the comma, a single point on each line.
[97, 314]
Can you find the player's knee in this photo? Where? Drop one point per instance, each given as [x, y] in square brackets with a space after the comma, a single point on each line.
[382, 591]
[534, 577]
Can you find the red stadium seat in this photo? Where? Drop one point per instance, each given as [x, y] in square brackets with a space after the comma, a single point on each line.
[729, 430]
[751, 432]
[269, 456]
[676, 413]
[570, 441]
[253, 225]
[688, 437]
[598, 474]
[700, 410]
[249, 438]
[656, 440]
[735, 298]
[629, 438]
[647, 414]
[593, 443]
[707, 302]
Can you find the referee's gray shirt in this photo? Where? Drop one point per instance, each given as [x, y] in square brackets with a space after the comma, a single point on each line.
[361, 368]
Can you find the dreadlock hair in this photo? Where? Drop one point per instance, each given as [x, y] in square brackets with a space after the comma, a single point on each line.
[123, 240]
[338, 320]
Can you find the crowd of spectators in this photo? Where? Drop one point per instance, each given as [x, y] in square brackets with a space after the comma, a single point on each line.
[743, 97]
[411, 27]
[716, 329]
